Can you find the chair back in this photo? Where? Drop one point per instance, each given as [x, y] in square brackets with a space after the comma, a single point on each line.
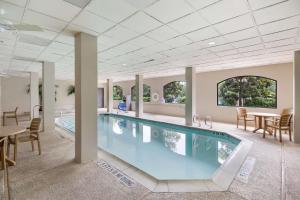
[241, 112]
[286, 111]
[35, 124]
[285, 120]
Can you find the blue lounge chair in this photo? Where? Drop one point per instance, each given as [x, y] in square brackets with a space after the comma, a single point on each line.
[122, 106]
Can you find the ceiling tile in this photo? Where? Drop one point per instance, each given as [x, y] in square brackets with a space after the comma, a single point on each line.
[225, 9]
[202, 34]
[247, 42]
[188, 23]
[142, 41]
[93, 22]
[43, 21]
[235, 24]
[11, 12]
[202, 3]
[277, 12]
[215, 41]
[73, 28]
[175, 9]
[55, 8]
[115, 10]
[178, 41]
[280, 43]
[257, 4]
[251, 48]
[241, 35]
[140, 4]
[66, 37]
[280, 35]
[281, 25]
[141, 23]
[161, 34]
[17, 2]
[26, 46]
[221, 48]
[120, 34]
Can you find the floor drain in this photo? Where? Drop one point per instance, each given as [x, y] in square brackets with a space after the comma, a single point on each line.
[123, 178]
[246, 169]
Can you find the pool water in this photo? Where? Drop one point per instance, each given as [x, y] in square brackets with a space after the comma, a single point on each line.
[162, 150]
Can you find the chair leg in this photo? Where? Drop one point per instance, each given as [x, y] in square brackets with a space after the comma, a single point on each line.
[32, 145]
[245, 125]
[8, 149]
[39, 146]
[264, 133]
[290, 134]
[275, 131]
[3, 120]
[280, 136]
[15, 148]
[17, 120]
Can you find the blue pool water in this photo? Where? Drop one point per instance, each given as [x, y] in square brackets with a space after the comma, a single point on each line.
[164, 151]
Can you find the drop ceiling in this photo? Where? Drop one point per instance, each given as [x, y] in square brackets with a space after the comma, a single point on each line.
[151, 35]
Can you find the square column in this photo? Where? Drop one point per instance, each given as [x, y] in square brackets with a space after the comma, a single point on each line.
[296, 121]
[85, 97]
[190, 107]
[34, 94]
[48, 96]
[139, 108]
[109, 95]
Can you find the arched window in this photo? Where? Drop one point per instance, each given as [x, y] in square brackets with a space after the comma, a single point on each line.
[146, 93]
[117, 92]
[248, 91]
[174, 92]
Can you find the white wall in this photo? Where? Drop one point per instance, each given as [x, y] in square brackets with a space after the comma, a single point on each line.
[13, 94]
[63, 100]
[206, 92]
[156, 87]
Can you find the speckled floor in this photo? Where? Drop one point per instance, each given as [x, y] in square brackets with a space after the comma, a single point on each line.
[54, 174]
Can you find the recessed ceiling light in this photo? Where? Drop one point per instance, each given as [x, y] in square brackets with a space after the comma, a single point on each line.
[211, 43]
[2, 11]
[124, 64]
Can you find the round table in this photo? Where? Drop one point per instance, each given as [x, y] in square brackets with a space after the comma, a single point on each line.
[261, 116]
[6, 131]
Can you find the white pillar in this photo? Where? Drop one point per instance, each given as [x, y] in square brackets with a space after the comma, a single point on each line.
[190, 108]
[139, 109]
[109, 95]
[85, 97]
[34, 94]
[297, 97]
[48, 96]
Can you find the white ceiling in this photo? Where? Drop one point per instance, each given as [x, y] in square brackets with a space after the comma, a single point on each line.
[151, 35]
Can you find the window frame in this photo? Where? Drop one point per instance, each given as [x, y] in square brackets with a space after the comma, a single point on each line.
[276, 90]
[164, 92]
[121, 93]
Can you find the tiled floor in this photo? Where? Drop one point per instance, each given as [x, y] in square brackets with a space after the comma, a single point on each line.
[54, 174]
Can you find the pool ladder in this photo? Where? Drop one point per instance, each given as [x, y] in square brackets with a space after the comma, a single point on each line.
[207, 120]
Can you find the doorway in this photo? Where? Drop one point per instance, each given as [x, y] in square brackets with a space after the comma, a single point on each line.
[100, 101]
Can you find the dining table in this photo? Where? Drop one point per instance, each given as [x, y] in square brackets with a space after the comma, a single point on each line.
[7, 131]
[260, 117]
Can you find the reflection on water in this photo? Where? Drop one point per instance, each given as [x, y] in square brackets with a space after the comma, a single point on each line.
[163, 149]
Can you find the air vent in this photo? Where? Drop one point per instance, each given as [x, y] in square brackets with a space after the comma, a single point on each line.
[30, 39]
[24, 59]
[147, 61]
[78, 3]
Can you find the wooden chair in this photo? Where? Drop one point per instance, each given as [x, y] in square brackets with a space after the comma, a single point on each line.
[242, 115]
[283, 124]
[4, 167]
[29, 136]
[10, 114]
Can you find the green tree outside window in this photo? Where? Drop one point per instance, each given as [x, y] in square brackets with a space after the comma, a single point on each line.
[117, 92]
[248, 91]
[174, 92]
[146, 93]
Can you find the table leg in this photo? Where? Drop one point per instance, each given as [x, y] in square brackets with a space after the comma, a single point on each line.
[15, 148]
[259, 126]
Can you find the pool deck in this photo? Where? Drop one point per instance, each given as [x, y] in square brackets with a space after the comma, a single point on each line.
[55, 175]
